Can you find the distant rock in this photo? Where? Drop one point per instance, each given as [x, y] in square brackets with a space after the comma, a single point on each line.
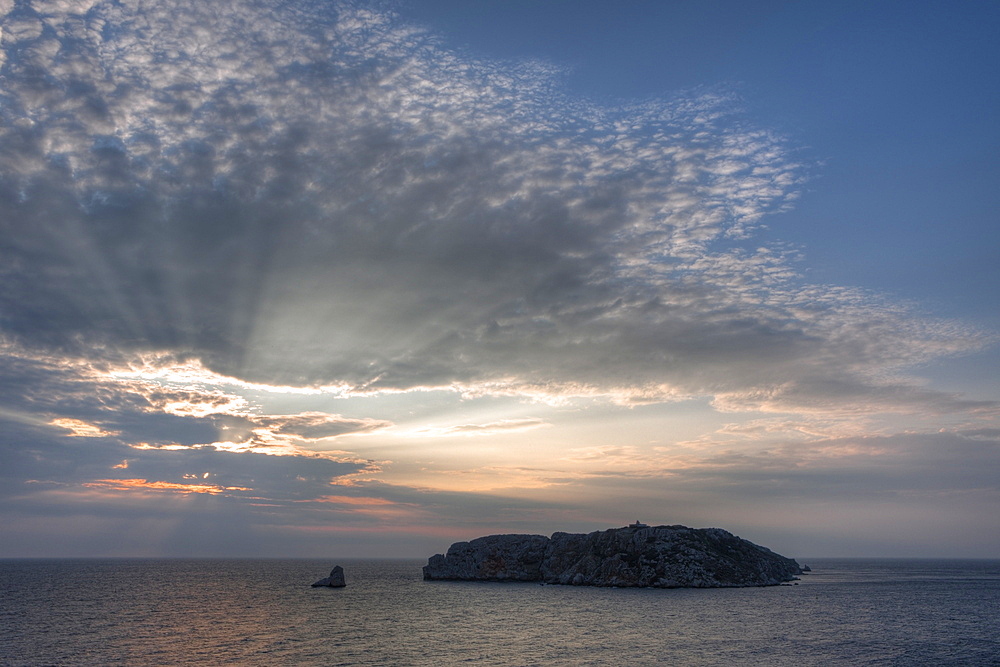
[636, 555]
[335, 580]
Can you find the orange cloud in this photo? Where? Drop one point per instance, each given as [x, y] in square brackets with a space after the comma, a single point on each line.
[81, 429]
[352, 500]
[130, 484]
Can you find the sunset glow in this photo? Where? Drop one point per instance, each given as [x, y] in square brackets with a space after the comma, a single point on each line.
[145, 485]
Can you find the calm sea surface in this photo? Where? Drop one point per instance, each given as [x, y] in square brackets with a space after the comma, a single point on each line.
[263, 612]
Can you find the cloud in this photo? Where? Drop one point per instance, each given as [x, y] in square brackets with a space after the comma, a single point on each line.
[315, 425]
[823, 469]
[128, 430]
[302, 194]
[489, 428]
[130, 484]
[106, 398]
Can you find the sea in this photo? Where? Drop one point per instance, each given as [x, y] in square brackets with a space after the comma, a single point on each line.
[264, 612]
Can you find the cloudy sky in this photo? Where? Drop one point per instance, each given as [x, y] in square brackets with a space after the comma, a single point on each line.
[313, 278]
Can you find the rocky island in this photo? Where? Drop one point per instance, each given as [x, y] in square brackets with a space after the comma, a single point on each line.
[636, 555]
[335, 580]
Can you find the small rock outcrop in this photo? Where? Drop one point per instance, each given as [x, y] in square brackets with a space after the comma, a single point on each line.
[636, 555]
[335, 580]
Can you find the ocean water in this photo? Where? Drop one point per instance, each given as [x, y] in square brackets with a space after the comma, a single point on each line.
[264, 612]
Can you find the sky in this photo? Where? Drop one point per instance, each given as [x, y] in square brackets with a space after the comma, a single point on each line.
[361, 279]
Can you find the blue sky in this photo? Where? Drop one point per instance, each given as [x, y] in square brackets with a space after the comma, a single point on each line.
[895, 103]
[362, 279]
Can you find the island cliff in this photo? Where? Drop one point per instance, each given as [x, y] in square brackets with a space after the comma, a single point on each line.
[636, 555]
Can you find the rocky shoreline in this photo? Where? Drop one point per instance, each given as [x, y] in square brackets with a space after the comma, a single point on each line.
[632, 556]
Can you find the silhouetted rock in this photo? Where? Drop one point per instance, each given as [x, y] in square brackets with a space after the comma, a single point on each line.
[492, 558]
[636, 555]
[335, 580]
